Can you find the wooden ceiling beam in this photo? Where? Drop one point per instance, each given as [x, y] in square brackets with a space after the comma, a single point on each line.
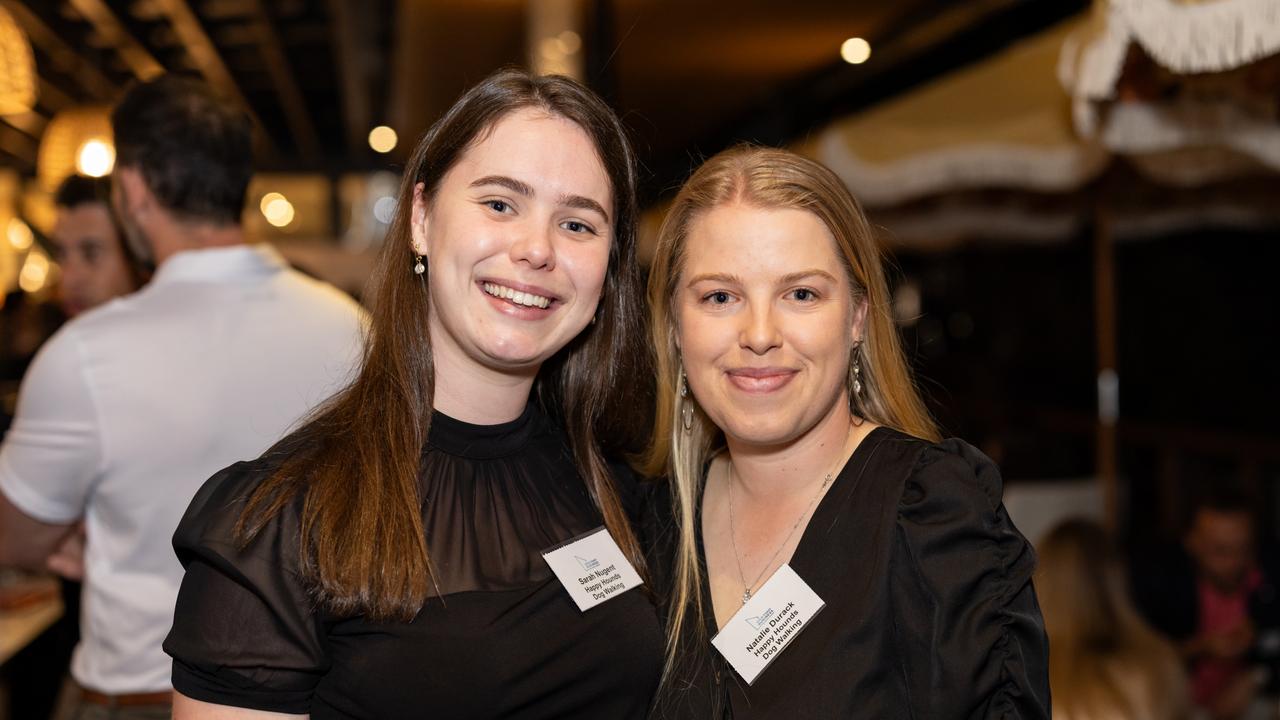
[86, 73]
[353, 85]
[18, 145]
[205, 54]
[286, 83]
[140, 60]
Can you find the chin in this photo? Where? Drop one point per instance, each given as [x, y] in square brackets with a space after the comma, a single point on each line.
[762, 431]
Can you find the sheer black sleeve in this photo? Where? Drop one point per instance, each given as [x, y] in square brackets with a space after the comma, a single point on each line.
[243, 632]
[965, 610]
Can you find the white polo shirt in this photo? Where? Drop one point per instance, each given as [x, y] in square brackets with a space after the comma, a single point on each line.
[129, 408]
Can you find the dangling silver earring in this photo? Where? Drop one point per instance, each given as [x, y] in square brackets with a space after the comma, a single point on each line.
[686, 405]
[420, 267]
[857, 371]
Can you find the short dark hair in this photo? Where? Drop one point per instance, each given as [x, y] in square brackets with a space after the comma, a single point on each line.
[194, 149]
[79, 190]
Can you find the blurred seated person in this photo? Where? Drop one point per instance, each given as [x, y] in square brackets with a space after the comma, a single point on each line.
[89, 246]
[1106, 662]
[1215, 595]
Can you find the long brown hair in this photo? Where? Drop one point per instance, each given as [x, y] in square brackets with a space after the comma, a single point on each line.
[765, 178]
[355, 462]
[1106, 662]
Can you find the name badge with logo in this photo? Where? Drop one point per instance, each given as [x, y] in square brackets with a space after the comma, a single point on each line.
[767, 623]
[592, 568]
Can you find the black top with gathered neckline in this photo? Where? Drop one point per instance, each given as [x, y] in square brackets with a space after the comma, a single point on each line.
[499, 638]
[929, 607]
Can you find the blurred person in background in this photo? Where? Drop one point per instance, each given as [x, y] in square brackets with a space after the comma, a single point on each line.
[128, 408]
[95, 266]
[1106, 662]
[94, 261]
[1216, 596]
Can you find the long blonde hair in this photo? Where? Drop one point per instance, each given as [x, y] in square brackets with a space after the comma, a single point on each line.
[1106, 662]
[774, 179]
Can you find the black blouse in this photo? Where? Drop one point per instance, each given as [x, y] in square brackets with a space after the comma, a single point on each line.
[500, 638]
[930, 612]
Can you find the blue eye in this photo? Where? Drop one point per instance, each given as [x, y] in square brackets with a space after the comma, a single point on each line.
[574, 226]
[804, 294]
[718, 297]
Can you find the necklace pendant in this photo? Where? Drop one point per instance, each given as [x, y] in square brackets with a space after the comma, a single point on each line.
[746, 595]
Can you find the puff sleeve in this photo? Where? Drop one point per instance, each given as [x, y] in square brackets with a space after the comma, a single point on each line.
[965, 612]
[244, 633]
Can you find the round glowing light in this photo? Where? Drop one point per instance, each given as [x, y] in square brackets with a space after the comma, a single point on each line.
[279, 212]
[550, 49]
[267, 200]
[855, 51]
[19, 234]
[568, 42]
[95, 158]
[383, 139]
[34, 272]
[385, 209]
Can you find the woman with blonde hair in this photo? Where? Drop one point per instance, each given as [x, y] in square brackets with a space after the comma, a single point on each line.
[847, 563]
[1106, 663]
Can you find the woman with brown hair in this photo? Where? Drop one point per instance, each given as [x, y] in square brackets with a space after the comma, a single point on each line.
[1106, 663]
[825, 555]
[386, 558]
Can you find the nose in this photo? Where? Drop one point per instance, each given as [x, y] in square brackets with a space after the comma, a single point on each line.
[760, 332]
[535, 248]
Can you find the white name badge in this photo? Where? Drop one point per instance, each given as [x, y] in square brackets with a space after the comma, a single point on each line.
[592, 568]
[767, 623]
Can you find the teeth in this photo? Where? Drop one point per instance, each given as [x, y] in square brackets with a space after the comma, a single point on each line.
[515, 296]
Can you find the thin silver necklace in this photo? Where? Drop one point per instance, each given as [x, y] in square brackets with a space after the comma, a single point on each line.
[733, 532]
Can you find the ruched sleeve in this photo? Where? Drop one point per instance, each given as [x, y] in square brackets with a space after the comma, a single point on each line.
[244, 632]
[965, 613]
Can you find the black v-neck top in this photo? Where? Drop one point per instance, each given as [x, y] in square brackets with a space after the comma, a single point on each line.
[930, 611]
[500, 638]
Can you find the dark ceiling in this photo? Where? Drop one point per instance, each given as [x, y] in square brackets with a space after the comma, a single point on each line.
[689, 77]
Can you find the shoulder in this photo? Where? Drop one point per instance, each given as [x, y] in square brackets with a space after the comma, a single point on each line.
[953, 474]
[210, 523]
[323, 297]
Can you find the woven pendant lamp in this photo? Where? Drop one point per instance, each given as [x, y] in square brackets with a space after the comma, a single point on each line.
[17, 68]
[70, 136]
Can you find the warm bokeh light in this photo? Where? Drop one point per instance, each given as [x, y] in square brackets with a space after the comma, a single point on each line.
[279, 211]
[855, 51]
[19, 235]
[568, 42]
[267, 200]
[34, 272]
[95, 158]
[383, 139]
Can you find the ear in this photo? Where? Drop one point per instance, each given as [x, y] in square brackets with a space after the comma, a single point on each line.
[418, 221]
[136, 199]
[859, 324]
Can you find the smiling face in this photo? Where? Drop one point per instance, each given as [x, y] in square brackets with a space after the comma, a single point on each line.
[766, 322]
[516, 241]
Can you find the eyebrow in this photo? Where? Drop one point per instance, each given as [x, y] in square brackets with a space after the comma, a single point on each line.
[784, 280]
[525, 189]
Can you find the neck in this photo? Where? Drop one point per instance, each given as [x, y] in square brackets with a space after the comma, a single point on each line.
[471, 393]
[773, 473]
[169, 237]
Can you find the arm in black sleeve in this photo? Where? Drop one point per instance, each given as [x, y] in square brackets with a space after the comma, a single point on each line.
[966, 614]
[244, 633]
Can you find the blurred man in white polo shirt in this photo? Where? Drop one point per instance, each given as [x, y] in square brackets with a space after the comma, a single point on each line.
[131, 406]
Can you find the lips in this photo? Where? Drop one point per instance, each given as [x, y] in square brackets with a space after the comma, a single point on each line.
[760, 380]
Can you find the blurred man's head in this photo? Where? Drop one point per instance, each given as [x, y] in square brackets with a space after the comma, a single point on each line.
[88, 246]
[183, 161]
[1221, 540]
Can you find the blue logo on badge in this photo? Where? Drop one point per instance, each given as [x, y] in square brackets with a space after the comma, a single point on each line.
[758, 621]
[587, 564]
